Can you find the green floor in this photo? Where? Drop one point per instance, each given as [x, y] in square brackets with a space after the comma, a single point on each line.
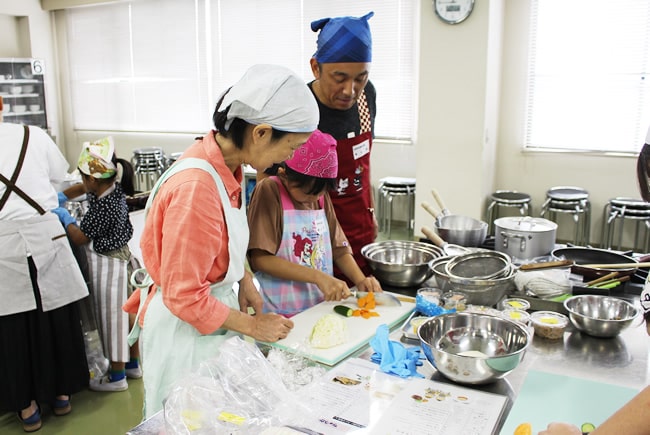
[113, 413]
[92, 413]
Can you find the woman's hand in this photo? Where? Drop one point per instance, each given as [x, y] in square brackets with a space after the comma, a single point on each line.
[271, 327]
[248, 296]
[561, 429]
[369, 284]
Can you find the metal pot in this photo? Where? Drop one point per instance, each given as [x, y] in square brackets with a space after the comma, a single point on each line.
[524, 238]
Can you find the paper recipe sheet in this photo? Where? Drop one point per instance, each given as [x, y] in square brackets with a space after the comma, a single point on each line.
[356, 397]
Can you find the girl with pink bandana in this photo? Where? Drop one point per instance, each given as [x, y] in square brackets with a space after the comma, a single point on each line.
[295, 236]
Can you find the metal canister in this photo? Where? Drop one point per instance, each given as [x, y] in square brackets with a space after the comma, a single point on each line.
[148, 165]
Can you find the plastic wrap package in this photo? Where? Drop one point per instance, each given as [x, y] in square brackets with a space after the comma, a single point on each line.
[237, 392]
[295, 369]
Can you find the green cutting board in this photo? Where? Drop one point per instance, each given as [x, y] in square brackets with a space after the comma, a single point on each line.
[546, 397]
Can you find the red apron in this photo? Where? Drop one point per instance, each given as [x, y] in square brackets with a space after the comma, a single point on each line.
[352, 197]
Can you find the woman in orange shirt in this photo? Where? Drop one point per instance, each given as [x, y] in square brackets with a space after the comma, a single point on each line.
[195, 236]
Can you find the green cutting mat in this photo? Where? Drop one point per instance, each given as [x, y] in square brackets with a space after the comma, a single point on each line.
[547, 397]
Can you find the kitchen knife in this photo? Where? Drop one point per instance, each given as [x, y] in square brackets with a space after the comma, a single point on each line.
[385, 299]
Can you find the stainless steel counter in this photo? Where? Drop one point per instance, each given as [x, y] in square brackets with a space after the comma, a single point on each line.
[622, 360]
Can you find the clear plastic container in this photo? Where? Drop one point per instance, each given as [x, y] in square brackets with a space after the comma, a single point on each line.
[514, 303]
[517, 315]
[549, 324]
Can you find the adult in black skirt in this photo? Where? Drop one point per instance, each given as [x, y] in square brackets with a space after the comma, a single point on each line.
[41, 341]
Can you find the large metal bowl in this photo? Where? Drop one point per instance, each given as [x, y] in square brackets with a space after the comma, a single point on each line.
[400, 263]
[471, 348]
[600, 316]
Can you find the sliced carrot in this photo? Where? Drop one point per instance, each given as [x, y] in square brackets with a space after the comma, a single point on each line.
[367, 301]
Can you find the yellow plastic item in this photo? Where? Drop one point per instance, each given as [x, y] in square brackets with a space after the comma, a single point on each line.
[524, 429]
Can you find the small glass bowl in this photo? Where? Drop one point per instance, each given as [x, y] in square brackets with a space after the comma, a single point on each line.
[455, 300]
[549, 324]
[514, 303]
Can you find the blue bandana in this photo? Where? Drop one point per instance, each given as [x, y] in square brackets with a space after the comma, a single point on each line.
[343, 39]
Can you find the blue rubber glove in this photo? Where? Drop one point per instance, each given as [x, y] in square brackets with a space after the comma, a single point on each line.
[64, 216]
[62, 198]
[392, 356]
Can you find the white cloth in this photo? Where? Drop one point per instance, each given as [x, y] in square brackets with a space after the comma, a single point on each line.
[647, 136]
[544, 283]
[43, 163]
[274, 95]
[171, 348]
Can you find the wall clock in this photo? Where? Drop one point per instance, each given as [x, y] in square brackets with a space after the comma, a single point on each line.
[453, 11]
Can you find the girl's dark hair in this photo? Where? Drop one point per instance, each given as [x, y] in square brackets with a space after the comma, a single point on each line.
[238, 126]
[315, 185]
[642, 166]
[127, 176]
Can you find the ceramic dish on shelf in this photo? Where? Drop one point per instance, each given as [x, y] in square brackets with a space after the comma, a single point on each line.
[20, 108]
[26, 72]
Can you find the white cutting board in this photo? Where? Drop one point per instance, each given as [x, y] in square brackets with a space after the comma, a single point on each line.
[360, 330]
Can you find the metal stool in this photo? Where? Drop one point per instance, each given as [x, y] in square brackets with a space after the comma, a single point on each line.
[390, 187]
[507, 199]
[573, 201]
[622, 210]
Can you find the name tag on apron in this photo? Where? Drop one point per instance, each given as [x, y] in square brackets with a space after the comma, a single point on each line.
[361, 149]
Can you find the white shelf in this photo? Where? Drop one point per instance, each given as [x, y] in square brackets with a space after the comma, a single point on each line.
[8, 114]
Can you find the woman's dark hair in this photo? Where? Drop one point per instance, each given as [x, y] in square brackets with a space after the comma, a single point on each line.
[238, 126]
[315, 185]
[642, 172]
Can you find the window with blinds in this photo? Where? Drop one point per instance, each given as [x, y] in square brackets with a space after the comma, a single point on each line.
[161, 65]
[588, 82]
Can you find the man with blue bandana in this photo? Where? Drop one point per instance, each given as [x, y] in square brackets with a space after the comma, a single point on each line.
[347, 104]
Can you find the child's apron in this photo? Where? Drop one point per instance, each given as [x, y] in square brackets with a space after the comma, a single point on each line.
[171, 348]
[305, 241]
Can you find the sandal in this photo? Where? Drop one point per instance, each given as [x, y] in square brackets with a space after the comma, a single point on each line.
[33, 422]
[61, 407]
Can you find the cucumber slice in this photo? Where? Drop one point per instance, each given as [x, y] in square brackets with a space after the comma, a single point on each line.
[343, 310]
[587, 428]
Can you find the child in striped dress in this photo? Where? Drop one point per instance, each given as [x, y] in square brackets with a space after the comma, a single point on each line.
[107, 225]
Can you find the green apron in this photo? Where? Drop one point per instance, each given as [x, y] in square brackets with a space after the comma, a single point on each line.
[172, 348]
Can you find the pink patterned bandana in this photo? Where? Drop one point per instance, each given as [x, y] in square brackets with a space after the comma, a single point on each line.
[316, 157]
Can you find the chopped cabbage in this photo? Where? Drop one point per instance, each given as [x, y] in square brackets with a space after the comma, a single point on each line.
[329, 331]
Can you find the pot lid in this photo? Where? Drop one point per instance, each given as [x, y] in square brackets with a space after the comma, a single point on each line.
[526, 223]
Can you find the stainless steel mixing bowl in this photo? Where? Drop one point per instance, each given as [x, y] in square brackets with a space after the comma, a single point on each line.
[471, 348]
[400, 263]
[600, 316]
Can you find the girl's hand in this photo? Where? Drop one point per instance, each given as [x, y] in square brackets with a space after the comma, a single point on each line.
[333, 288]
[369, 284]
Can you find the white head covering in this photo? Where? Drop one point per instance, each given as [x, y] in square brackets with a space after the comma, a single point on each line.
[275, 95]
